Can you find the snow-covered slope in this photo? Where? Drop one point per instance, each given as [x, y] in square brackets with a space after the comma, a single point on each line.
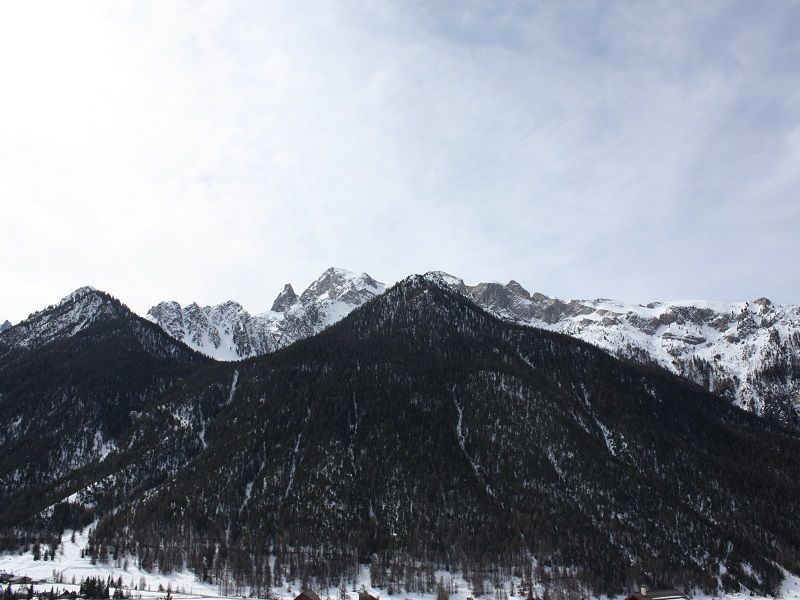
[748, 352]
[71, 315]
[228, 332]
[70, 567]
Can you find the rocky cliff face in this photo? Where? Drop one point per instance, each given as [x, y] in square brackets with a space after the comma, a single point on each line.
[228, 332]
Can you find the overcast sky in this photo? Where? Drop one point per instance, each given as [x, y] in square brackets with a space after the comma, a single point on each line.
[216, 150]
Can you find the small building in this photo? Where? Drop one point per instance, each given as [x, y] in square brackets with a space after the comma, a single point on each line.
[5, 577]
[307, 595]
[366, 596]
[647, 594]
[22, 579]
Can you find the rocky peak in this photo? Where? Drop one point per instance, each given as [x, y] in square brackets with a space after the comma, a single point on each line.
[340, 284]
[168, 307]
[79, 294]
[225, 311]
[539, 297]
[516, 289]
[169, 316]
[764, 305]
[6, 325]
[446, 280]
[285, 299]
[497, 297]
[72, 314]
[195, 311]
[228, 332]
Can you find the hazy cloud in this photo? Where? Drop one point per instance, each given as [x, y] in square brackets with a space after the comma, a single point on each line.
[214, 150]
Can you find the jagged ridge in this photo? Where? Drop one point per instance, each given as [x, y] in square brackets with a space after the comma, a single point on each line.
[748, 352]
[228, 332]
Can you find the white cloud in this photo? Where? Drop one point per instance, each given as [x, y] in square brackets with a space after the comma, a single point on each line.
[214, 150]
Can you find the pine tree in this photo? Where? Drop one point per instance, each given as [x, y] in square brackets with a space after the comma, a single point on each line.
[267, 577]
[375, 572]
[277, 571]
[441, 590]
[477, 583]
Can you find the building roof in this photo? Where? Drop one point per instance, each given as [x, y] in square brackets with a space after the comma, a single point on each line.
[657, 595]
[366, 596]
[307, 595]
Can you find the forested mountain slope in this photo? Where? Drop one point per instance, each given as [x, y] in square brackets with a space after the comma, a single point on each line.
[71, 377]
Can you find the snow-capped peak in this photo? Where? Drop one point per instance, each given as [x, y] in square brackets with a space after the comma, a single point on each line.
[69, 316]
[78, 294]
[285, 299]
[445, 279]
[228, 332]
[340, 284]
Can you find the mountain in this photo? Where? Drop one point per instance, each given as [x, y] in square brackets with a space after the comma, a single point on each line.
[73, 313]
[228, 332]
[71, 376]
[5, 325]
[423, 432]
[748, 352]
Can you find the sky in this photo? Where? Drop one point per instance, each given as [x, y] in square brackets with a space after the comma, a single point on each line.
[205, 151]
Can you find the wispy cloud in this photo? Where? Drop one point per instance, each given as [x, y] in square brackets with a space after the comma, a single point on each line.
[216, 149]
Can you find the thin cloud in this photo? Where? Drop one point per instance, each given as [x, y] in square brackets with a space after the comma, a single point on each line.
[215, 150]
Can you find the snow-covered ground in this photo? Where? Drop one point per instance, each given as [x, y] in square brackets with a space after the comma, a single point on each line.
[69, 564]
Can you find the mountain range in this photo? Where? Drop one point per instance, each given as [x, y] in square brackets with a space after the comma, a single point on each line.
[420, 431]
[747, 352]
[228, 332]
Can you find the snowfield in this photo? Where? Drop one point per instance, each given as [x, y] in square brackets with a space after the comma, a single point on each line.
[69, 564]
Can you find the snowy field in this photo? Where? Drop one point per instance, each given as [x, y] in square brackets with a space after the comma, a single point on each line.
[184, 586]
